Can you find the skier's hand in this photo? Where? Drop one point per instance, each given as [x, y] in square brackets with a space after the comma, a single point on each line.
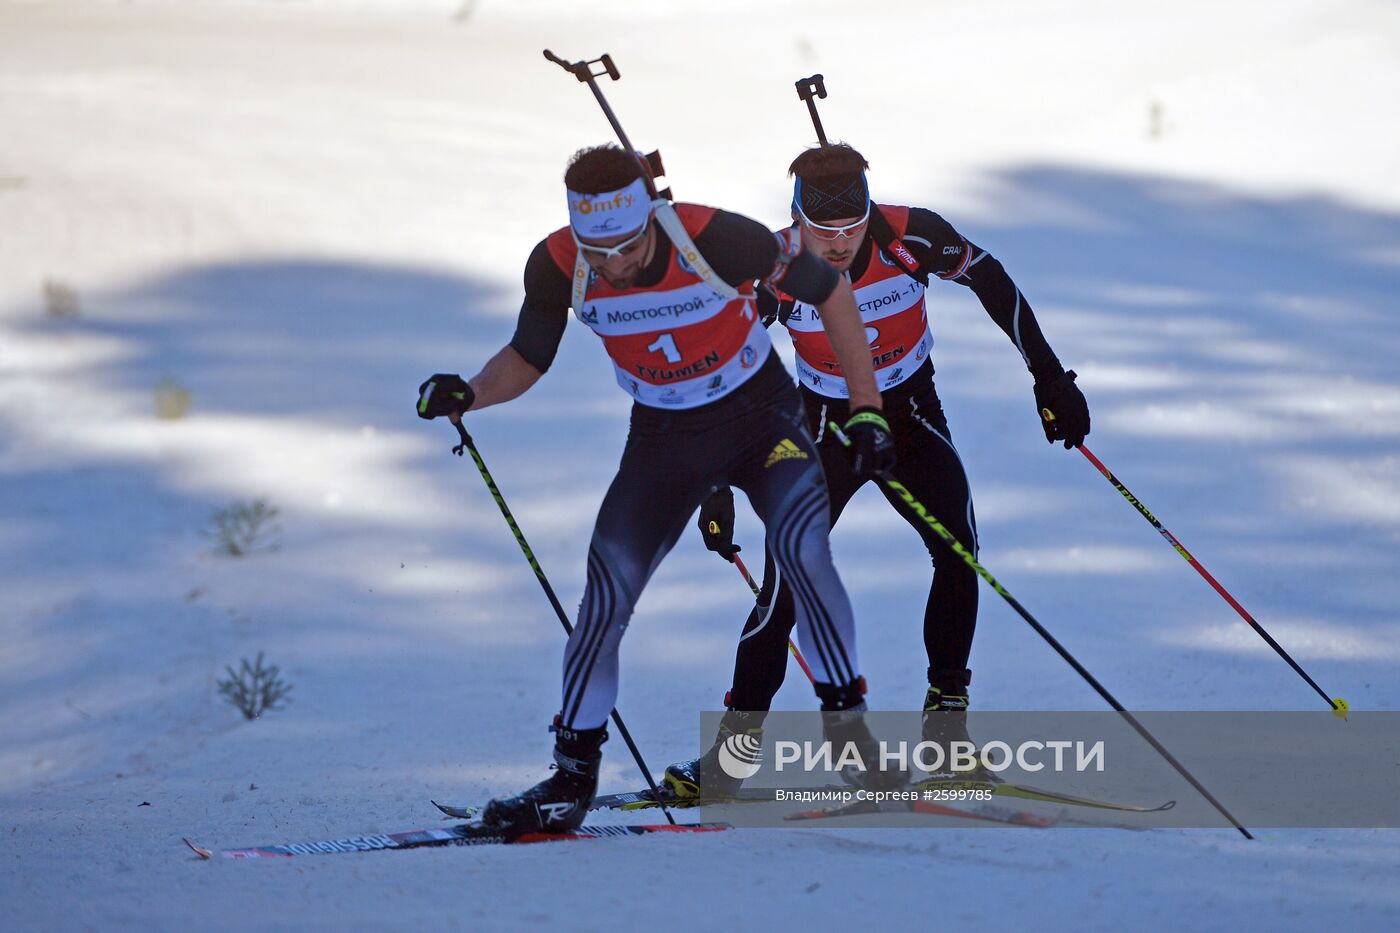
[444, 394]
[872, 444]
[717, 523]
[1064, 414]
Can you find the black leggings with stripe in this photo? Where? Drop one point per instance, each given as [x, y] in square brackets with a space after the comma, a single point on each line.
[929, 466]
[754, 439]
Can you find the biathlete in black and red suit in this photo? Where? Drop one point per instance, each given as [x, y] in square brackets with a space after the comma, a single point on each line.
[890, 255]
[671, 290]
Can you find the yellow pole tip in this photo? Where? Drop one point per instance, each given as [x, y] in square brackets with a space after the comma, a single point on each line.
[1340, 707]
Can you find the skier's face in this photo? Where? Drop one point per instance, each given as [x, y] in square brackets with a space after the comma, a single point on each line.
[836, 241]
[620, 259]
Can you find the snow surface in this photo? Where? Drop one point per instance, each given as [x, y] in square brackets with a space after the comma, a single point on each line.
[297, 210]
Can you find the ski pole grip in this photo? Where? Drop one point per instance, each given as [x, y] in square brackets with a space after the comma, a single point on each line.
[462, 433]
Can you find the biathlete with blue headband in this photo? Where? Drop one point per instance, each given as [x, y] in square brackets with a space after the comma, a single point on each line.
[671, 290]
[889, 255]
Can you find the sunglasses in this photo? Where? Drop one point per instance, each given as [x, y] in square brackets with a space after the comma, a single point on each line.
[626, 248]
[824, 232]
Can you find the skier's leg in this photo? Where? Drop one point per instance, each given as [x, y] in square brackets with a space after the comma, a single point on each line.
[929, 466]
[642, 515]
[787, 489]
[761, 661]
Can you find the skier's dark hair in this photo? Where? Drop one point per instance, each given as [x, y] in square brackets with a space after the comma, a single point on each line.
[833, 159]
[598, 169]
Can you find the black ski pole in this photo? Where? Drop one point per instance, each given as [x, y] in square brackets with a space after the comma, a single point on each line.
[808, 89]
[467, 444]
[915, 506]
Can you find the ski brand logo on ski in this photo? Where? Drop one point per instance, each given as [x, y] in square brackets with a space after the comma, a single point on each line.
[785, 450]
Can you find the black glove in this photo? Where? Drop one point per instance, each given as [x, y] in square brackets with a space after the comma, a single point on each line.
[717, 523]
[872, 444]
[1064, 414]
[444, 394]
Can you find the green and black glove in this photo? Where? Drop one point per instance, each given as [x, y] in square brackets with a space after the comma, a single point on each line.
[872, 444]
[444, 394]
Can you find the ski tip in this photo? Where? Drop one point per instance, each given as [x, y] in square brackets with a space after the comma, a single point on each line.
[457, 813]
[201, 852]
[1340, 707]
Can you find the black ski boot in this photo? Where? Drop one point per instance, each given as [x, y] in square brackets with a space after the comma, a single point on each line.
[945, 723]
[741, 733]
[559, 803]
[843, 723]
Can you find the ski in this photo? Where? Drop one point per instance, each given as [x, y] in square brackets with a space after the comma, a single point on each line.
[1026, 792]
[465, 834]
[633, 800]
[984, 812]
[643, 799]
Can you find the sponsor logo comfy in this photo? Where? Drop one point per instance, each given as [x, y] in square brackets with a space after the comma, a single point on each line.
[587, 206]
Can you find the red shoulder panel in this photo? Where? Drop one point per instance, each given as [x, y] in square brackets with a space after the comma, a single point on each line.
[562, 250]
[694, 217]
[897, 216]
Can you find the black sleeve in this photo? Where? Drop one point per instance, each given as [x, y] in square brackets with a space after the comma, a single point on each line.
[544, 312]
[738, 249]
[942, 251]
[742, 250]
[1006, 305]
[939, 249]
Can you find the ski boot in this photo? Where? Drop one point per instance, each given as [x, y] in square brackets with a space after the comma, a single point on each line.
[843, 724]
[559, 803]
[945, 723]
[738, 744]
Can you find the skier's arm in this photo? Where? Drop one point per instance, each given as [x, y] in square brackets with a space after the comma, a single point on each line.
[945, 253]
[742, 250]
[505, 376]
[540, 327]
[841, 319]
[1063, 410]
[1005, 305]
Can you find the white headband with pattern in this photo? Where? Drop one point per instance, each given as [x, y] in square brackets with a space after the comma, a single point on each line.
[610, 214]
